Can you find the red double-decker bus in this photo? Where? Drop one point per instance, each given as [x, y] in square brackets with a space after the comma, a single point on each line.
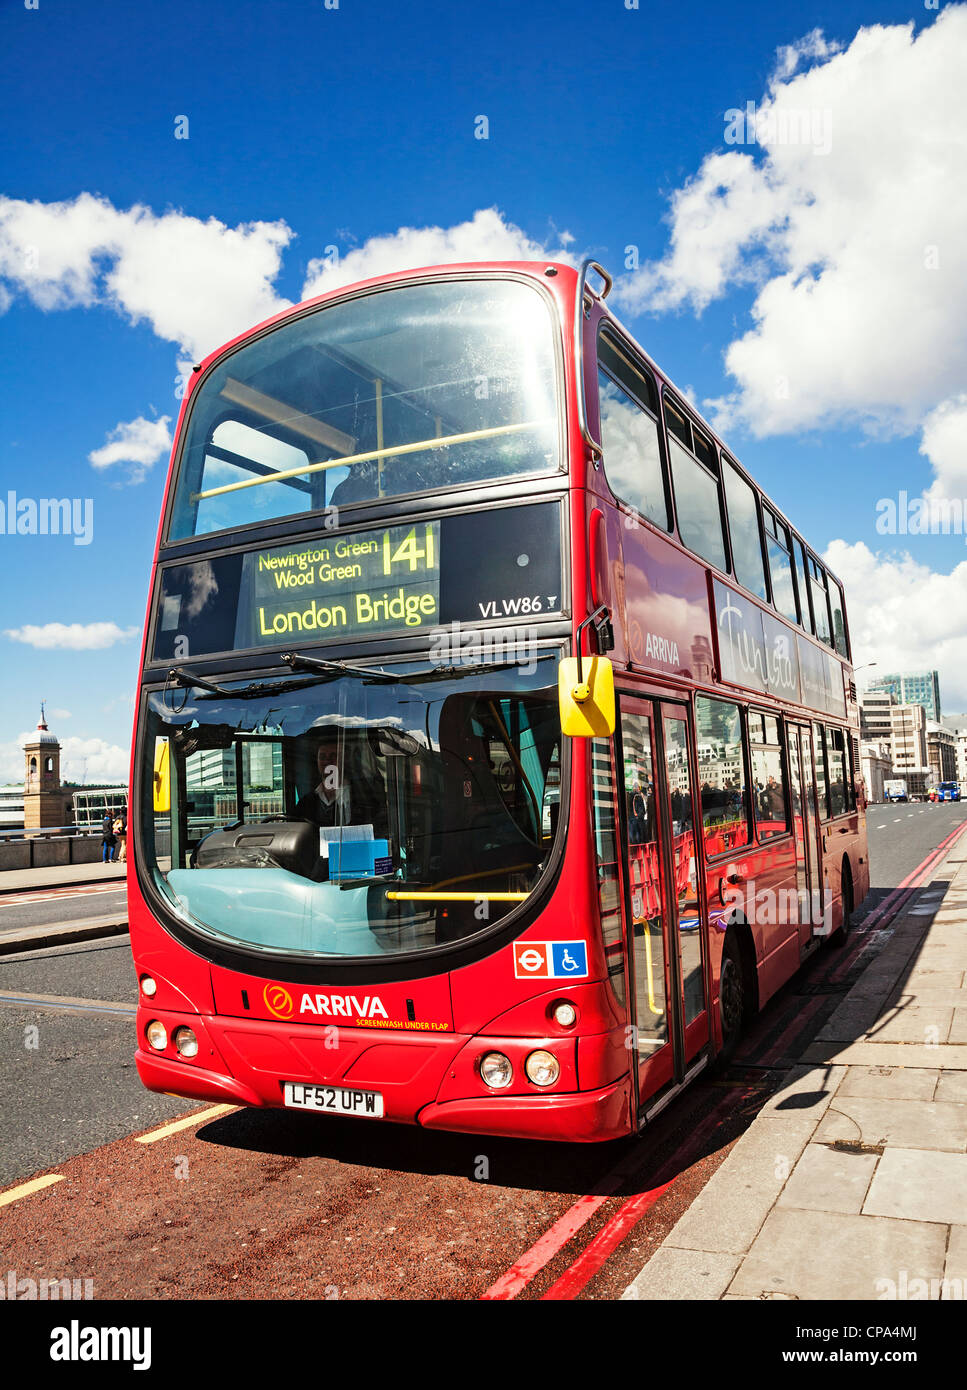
[495, 752]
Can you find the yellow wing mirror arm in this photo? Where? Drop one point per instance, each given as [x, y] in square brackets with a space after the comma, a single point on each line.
[585, 686]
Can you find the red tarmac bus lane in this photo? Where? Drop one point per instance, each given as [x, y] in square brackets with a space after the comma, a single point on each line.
[275, 1204]
[271, 1204]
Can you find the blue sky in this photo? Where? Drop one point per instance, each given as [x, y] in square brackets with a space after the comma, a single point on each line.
[335, 127]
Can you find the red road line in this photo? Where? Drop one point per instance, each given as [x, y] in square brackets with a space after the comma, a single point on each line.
[594, 1256]
[554, 1239]
[587, 1264]
[591, 1259]
[52, 894]
[519, 1275]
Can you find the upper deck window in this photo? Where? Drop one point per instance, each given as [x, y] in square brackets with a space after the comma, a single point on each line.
[744, 531]
[628, 406]
[695, 478]
[779, 547]
[404, 390]
[820, 600]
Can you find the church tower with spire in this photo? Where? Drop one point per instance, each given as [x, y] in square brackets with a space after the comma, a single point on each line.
[43, 795]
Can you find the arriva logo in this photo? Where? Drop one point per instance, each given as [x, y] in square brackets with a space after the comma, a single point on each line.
[343, 1006]
[278, 1001]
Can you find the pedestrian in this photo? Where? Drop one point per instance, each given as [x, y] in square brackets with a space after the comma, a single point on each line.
[121, 832]
[108, 840]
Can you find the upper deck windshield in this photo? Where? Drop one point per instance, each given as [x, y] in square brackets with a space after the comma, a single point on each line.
[334, 814]
[402, 390]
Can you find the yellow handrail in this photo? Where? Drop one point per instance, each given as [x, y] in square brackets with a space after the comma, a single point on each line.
[456, 897]
[350, 459]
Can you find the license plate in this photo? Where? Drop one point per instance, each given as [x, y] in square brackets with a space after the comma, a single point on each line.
[334, 1100]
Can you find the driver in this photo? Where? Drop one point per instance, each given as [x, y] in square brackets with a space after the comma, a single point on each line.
[341, 797]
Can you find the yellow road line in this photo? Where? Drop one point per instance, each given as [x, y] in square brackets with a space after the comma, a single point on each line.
[26, 1188]
[210, 1114]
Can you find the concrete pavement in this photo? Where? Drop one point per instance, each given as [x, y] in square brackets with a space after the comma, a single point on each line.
[851, 1183]
[59, 876]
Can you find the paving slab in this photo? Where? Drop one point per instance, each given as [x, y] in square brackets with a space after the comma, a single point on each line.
[956, 1266]
[894, 1083]
[827, 1179]
[807, 1091]
[867, 1054]
[918, 1186]
[913, 1023]
[905, 1124]
[732, 1206]
[907, 995]
[837, 1255]
[952, 1085]
[958, 1029]
[683, 1274]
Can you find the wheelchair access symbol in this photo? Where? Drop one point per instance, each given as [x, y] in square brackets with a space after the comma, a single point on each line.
[551, 960]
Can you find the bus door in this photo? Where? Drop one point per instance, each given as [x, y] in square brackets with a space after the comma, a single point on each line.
[662, 909]
[808, 832]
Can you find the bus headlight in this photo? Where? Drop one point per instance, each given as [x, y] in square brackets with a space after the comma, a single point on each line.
[565, 1014]
[186, 1042]
[496, 1070]
[542, 1068]
[149, 987]
[157, 1035]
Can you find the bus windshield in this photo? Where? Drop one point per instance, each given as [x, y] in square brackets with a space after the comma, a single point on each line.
[405, 390]
[351, 814]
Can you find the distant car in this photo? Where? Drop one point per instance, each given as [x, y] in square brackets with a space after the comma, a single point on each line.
[948, 791]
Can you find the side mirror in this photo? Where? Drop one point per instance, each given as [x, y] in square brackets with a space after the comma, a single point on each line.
[585, 695]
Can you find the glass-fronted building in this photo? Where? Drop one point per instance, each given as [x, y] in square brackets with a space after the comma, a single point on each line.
[913, 688]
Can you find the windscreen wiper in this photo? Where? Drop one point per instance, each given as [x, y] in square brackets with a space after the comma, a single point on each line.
[442, 673]
[335, 669]
[182, 676]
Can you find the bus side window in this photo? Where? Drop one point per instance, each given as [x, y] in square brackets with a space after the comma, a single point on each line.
[628, 407]
[780, 566]
[822, 772]
[768, 779]
[820, 598]
[723, 775]
[838, 794]
[746, 538]
[698, 503]
[839, 616]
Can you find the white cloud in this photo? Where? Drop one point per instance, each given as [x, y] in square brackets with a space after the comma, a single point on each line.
[487, 236]
[76, 637]
[139, 443]
[93, 760]
[905, 616]
[195, 283]
[945, 444]
[859, 254]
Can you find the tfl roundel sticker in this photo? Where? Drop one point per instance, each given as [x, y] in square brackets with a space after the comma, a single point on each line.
[550, 960]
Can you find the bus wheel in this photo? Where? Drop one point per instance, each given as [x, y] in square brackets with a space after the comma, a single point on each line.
[733, 996]
[841, 933]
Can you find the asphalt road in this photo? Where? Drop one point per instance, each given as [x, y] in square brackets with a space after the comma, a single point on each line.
[42, 906]
[274, 1204]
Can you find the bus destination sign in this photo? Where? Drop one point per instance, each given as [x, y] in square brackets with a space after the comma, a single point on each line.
[379, 581]
[500, 564]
